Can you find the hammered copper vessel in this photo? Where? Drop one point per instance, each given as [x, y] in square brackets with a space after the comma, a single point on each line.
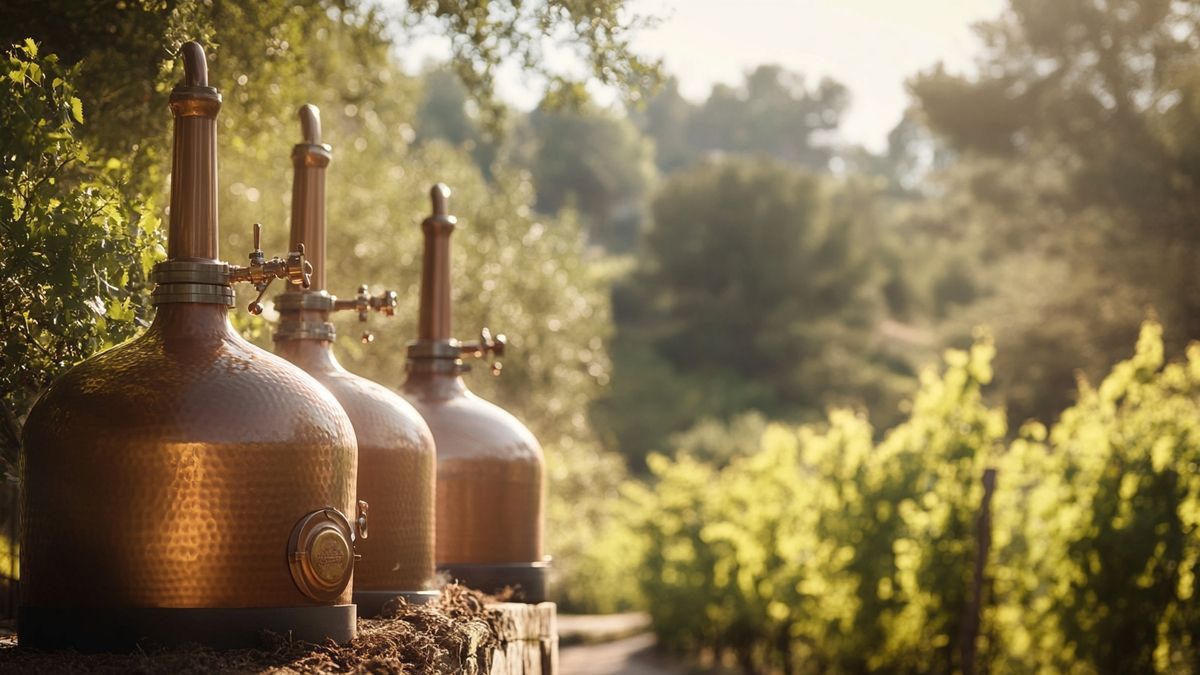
[396, 458]
[187, 486]
[489, 467]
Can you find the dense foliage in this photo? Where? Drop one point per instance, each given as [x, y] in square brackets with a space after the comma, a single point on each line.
[1113, 489]
[825, 551]
[594, 36]
[74, 249]
[759, 287]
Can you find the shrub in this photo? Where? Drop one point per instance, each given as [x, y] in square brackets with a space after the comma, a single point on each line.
[826, 552]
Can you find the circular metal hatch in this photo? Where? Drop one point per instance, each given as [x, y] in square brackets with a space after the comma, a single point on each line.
[321, 554]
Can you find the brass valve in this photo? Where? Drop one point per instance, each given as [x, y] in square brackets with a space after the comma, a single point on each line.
[360, 521]
[364, 303]
[486, 345]
[261, 272]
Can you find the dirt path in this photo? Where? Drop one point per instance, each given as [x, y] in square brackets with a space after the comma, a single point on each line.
[627, 656]
[577, 628]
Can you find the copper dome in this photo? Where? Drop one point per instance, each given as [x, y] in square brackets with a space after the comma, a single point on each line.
[490, 470]
[396, 452]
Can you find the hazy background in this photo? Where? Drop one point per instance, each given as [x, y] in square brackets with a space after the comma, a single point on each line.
[856, 333]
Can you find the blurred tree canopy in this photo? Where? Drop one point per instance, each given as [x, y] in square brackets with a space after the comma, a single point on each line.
[1079, 141]
[583, 158]
[447, 113]
[773, 113]
[761, 247]
[597, 163]
[759, 285]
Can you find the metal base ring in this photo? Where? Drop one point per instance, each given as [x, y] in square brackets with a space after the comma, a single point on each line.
[528, 580]
[122, 629]
[370, 603]
[305, 330]
[192, 293]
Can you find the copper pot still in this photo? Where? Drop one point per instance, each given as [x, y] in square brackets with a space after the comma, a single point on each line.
[187, 486]
[490, 470]
[396, 456]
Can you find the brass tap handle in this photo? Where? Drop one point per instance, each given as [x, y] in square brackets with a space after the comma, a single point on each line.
[257, 257]
[261, 272]
[255, 307]
[486, 345]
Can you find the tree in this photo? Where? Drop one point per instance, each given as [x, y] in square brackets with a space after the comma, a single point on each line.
[664, 118]
[759, 289]
[447, 112]
[596, 162]
[773, 113]
[774, 252]
[75, 252]
[1079, 140]
[486, 33]
[125, 52]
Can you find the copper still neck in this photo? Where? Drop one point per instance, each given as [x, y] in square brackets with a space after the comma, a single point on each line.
[192, 233]
[435, 323]
[436, 350]
[309, 160]
[305, 312]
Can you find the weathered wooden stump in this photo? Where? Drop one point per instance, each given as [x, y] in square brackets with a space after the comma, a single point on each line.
[528, 639]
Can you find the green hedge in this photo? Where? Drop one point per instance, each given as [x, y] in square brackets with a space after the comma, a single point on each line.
[825, 551]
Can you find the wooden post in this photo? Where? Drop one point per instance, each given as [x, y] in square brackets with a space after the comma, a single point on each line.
[983, 544]
[528, 640]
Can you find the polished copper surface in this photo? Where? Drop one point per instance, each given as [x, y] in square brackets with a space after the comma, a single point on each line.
[171, 471]
[435, 322]
[396, 454]
[309, 159]
[396, 472]
[489, 475]
[490, 467]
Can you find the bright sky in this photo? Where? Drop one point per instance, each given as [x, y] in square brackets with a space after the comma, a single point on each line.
[871, 46]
